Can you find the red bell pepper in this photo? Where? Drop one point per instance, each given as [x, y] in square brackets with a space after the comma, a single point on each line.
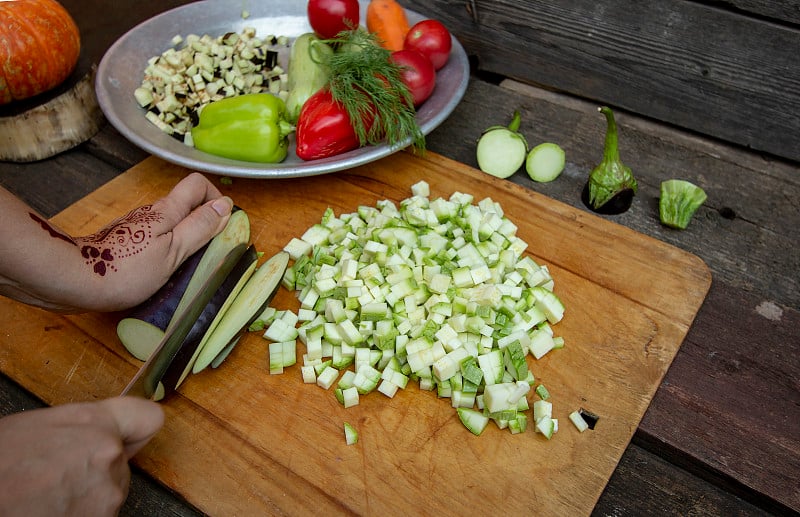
[324, 128]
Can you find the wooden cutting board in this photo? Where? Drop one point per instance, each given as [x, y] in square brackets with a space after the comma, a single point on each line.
[238, 441]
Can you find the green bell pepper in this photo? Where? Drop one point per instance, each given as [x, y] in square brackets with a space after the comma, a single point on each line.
[250, 127]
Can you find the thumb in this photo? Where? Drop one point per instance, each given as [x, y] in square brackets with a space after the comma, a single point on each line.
[203, 223]
[137, 419]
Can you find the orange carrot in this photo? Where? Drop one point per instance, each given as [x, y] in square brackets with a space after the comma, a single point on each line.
[387, 19]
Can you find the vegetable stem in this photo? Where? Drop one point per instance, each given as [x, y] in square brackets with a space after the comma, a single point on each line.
[611, 184]
[611, 148]
[516, 119]
[367, 83]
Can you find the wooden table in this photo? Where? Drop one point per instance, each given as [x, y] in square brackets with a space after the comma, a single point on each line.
[722, 435]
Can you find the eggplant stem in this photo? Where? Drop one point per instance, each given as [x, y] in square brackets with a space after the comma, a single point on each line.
[611, 151]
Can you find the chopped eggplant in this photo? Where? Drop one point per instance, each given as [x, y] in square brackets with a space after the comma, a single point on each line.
[236, 232]
[144, 327]
[198, 70]
[588, 417]
[617, 204]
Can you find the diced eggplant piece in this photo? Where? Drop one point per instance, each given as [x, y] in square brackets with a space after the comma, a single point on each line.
[271, 59]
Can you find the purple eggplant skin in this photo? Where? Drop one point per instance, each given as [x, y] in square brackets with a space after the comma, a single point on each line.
[200, 327]
[159, 308]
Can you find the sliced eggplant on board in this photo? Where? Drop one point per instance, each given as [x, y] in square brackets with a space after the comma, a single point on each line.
[236, 232]
[140, 337]
[218, 360]
[219, 302]
[248, 305]
[143, 329]
[147, 380]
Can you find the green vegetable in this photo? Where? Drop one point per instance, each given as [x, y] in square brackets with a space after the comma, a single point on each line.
[350, 434]
[306, 72]
[368, 84]
[473, 420]
[576, 418]
[678, 203]
[502, 150]
[545, 162]
[437, 291]
[611, 184]
[249, 127]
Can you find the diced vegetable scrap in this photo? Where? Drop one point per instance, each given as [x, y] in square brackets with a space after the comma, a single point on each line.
[350, 434]
[580, 424]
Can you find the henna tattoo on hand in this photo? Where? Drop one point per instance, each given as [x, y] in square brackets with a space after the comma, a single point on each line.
[125, 237]
[46, 226]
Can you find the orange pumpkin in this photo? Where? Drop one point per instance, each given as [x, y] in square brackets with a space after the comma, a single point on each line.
[39, 47]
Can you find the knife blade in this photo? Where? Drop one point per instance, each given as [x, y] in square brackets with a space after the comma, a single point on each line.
[145, 382]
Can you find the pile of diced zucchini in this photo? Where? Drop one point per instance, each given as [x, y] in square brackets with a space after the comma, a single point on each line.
[436, 291]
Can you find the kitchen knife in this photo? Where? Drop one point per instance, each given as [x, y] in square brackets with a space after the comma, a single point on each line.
[145, 382]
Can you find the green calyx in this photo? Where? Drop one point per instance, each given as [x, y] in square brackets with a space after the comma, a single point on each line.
[679, 201]
[251, 127]
[611, 176]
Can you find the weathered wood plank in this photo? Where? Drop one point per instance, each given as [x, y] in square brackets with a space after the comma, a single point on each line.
[709, 70]
[99, 32]
[781, 11]
[731, 400]
[50, 185]
[646, 484]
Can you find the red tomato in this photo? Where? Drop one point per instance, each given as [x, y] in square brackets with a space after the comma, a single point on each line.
[418, 74]
[432, 39]
[330, 17]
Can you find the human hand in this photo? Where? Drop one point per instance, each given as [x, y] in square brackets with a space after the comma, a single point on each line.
[73, 459]
[136, 254]
[115, 268]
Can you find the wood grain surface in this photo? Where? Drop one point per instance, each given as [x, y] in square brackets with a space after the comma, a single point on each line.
[239, 441]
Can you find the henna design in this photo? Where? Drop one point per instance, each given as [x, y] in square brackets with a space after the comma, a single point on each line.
[127, 236]
[46, 226]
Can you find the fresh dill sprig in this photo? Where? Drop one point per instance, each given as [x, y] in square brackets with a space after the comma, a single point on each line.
[367, 83]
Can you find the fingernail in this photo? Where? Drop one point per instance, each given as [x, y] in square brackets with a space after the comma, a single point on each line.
[222, 206]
